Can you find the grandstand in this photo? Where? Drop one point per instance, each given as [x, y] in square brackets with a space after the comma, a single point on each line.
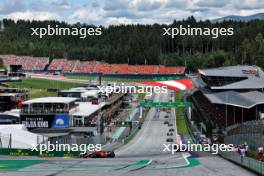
[148, 69]
[76, 66]
[85, 67]
[128, 69]
[40, 63]
[227, 96]
[171, 70]
[120, 68]
[69, 65]
[57, 64]
[102, 67]
[28, 63]
[32, 64]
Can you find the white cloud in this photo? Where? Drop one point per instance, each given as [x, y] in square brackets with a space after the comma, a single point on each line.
[212, 3]
[32, 15]
[88, 14]
[115, 4]
[248, 4]
[178, 4]
[117, 21]
[145, 11]
[9, 6]
[105, 12]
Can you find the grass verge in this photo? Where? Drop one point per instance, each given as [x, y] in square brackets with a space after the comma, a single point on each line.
[182, 126]
[105, 79]
[39, 87]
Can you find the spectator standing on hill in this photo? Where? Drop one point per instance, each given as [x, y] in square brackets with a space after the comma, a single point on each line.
[242, 153]
[260, 156]
[260, 149]
[246, 148]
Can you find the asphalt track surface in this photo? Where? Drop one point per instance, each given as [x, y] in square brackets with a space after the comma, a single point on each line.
[142, 156]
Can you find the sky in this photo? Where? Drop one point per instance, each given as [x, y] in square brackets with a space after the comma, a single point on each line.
[114, 12]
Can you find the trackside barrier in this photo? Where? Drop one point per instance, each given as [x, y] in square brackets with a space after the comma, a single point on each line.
[249, 163]
[250, 132]
[116, 141]
[29, 152]
[131, 136]
[121, 130]
[254, 140]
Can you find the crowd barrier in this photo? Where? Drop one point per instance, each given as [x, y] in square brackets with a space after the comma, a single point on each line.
[249, 163]
[250, 132]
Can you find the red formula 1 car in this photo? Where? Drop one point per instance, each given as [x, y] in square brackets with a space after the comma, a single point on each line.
[99, 154]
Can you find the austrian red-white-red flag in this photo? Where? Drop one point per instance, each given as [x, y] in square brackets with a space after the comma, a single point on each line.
[176, 85]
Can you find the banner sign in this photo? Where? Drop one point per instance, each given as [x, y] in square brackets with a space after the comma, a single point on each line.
[165, 104]
[61, 121]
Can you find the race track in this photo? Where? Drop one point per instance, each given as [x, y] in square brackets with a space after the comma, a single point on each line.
[142, 156]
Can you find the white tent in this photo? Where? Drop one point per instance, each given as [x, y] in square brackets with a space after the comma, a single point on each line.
[18, 135]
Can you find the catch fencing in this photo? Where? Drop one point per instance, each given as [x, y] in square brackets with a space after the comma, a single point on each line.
[249, 163]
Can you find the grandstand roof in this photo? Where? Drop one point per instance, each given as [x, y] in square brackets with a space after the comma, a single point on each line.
[8, 94]
[13, 112]
[90, 93]
[84, 92]
[254, 76]
[255, 83]
[21, 137]
[73, 91]
[238, 99]
[87, 108]
[51, 100]
[239, 70]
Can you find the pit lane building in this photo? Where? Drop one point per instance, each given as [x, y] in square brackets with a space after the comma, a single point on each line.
[227, 96]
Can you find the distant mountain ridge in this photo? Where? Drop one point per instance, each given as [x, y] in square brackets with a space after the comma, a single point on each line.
[259, 16]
